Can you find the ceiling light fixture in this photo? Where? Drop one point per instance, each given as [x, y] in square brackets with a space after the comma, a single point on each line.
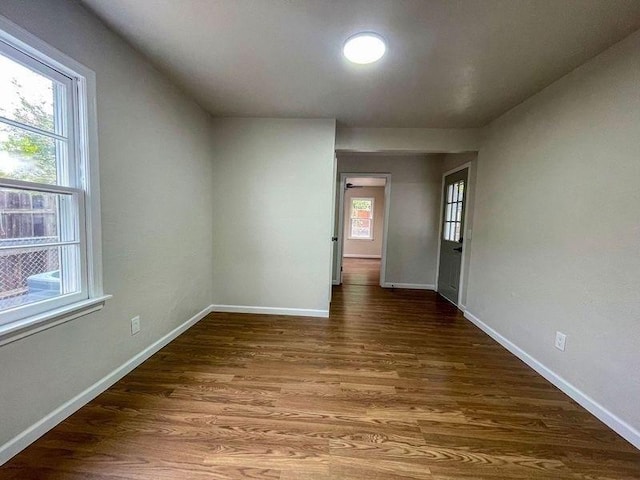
[363, 48]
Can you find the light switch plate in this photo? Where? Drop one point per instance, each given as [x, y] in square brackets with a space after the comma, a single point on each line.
[135, 325]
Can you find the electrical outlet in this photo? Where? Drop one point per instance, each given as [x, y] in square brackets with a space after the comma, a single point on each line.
[561, 340]
[135, 325]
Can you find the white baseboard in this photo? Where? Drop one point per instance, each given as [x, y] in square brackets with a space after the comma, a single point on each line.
[415, 286]
[298, 312]
[35, 431]
[357, 255]
[618, 425]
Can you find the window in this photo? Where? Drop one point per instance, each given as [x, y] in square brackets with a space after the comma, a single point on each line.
[361, 219]
[453, 212]
[49, 230]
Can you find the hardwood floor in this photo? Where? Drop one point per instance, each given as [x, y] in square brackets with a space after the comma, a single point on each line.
[360, 271]
[395, 385]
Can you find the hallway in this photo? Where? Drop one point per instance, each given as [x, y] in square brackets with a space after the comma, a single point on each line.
[360, 271]
[394, 385]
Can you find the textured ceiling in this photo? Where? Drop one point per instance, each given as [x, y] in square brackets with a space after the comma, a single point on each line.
[450, 63]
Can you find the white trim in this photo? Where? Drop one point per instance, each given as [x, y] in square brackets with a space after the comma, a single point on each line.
[385, 229]
[341, 220]
[33, 46]
[298, 312]
[357, 255]
[614, 422]
[457, 169]
[82, 98]
[28, 246]
[13, 331]
[93, 215]
[39, 187]
[337, 279]
[334, 234]
[29, 128]
[467, 194]
[35, 431]
[385, 226]
[449, 300]
[412, 286]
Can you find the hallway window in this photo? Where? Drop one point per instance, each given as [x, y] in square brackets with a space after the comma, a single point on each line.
[361, 225]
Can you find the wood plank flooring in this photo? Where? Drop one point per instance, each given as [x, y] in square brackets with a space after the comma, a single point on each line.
[360, 271]
[395, 385]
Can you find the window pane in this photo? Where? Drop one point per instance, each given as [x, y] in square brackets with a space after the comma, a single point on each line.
[449, 193]
[460, 190]
[29, 156]
[360, 228]
[30, 270]
[447, 228]
[28, 218]
[362, 204]
[361, 208]
[29, 275]
[43, 250]
[27, 97]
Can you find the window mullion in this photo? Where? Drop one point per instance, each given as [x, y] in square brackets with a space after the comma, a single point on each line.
[39, 245]
[32, 129]
[38, 187]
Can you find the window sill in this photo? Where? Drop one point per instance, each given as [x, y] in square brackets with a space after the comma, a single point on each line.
[28, 326]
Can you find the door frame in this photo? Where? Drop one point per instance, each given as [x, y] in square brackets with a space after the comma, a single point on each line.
[385, 226]
[468, 189]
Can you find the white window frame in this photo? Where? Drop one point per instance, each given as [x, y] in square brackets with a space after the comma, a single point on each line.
[350, 236]
[451, 223]
[83, 139]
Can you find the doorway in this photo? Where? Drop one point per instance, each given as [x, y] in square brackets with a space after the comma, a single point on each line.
[362, 228]
[454, 196]
[360, 271]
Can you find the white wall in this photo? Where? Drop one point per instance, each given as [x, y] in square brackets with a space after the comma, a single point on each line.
[408, 140]
[412, 243]
[557, 227]
[155, 167]
[355, 247]
[454, 160]
[272, 194]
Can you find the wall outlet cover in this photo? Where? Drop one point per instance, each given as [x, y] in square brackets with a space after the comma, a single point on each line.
[561, 340]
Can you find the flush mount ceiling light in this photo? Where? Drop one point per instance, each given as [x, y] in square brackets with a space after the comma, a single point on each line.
[363, 48]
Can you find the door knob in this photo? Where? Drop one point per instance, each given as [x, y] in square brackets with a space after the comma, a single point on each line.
[459, 249]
